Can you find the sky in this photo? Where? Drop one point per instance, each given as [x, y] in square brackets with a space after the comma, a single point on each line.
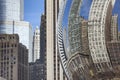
[33, 9]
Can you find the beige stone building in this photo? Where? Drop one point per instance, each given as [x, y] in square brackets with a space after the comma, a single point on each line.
[13, 58]
[54, 70]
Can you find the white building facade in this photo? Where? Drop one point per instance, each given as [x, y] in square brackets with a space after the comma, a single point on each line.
[36, 44]
[99, 20]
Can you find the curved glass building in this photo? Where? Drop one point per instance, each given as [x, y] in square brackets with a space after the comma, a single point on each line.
[75, 60]
[93, 50]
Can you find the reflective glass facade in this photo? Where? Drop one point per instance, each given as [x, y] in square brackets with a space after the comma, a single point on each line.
[11, 21]
[74, 27]
[23, 29]
[11, 10]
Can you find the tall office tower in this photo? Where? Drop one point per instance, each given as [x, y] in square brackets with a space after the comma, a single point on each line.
[99, 33]
[11, 22]
[53, 67]
[36, 45]
[43, 39]
[11, 10]
[114, 27]
[43, 44]
[13, 59]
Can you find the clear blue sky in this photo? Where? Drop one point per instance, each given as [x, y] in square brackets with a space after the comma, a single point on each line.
[32, 11]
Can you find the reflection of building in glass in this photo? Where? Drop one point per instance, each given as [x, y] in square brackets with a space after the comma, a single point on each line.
[79, 63]
[13, 58]
[78, 67]
[36, 45]
[74, 28]
[118, 35]
[114, 27]
[114, 53]
[99, 33]
[94, 44]
[11, 22]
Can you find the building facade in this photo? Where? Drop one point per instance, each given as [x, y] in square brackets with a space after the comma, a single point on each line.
[36, 70]
[43, 39]
[74, 15]
[43, 43]
[118, 35]
[53, 66]
[114, 53]
[13, 59]
[114, 27]
[11, 22]
[99, 33]
[36, 45]
[11, 10]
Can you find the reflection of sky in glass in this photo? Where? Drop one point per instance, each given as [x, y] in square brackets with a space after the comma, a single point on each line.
[66, 13]
[116, 10]
[85, 11]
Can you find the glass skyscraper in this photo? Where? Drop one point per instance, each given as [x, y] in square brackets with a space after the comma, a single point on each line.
[11, 22]
[11, 10]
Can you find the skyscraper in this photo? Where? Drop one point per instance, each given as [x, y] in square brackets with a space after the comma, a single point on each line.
[36, 44]
[11, 10]
[53, 67]
[11, 22]
[43, 39]
[13, 59]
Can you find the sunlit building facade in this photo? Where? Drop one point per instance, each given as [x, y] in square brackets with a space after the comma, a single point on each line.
[13, 59]
[36, 44]
[11, 22]
[11, 10]
[99, 32]
[54, 70]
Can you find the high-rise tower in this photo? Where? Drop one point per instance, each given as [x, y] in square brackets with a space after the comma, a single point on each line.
[36, 45]
[11, 22]
[53, 66]
[11, 10]
[51, 52]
